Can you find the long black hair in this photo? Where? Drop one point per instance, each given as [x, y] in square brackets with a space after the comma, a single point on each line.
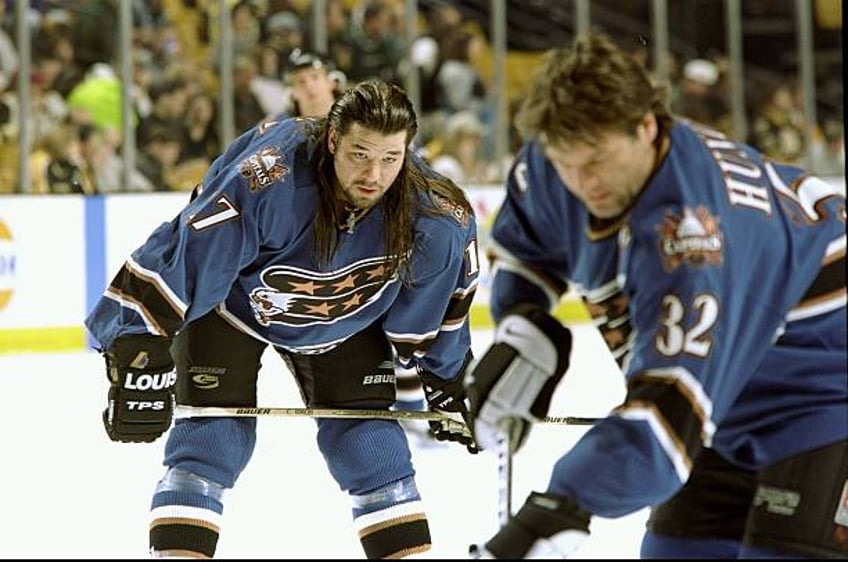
[382, 107]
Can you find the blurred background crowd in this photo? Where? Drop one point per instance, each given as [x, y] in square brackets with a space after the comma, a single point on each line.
[69, 131]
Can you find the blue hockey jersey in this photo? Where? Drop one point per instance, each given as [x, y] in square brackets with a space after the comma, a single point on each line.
[721, 293]
[244, 247]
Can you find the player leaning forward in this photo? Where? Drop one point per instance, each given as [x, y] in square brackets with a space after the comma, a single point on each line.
[327, 239]
[717, 278]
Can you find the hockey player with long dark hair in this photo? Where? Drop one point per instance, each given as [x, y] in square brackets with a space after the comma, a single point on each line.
[328, 240]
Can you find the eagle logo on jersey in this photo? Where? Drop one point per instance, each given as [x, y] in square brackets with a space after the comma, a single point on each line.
[263, 168]
[693, 239]
[299, 297]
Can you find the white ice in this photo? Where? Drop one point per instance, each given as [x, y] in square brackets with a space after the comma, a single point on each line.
[69, 492]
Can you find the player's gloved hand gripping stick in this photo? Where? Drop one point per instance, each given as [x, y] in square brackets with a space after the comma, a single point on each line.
[509, 389]
[512, 385]
[141, 393]
[448, 397]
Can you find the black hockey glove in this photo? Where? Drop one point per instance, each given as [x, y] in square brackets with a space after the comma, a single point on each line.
[141, 393]
[546, 526]
[448, 397]
[513, 383]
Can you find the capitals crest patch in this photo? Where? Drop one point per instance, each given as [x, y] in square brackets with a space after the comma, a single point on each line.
[692, 238]
[263, 168]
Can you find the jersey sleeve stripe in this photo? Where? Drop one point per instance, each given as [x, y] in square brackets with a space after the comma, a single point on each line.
[131, 290]
[828, 290]
[680, 404]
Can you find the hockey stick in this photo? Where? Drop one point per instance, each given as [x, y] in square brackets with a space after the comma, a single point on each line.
[183, 411]
[504, 478]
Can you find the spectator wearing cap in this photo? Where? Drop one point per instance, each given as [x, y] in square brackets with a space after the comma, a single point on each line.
[699, 98]
[97, 100]
[284, 33]
[314, 84]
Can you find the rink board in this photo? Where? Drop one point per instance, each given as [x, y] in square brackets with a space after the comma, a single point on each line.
[57, 255]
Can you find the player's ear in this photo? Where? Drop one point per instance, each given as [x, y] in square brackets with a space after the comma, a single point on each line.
[649, 126]
[331, 140]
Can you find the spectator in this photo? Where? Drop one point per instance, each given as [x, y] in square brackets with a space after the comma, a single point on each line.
[828, 153]
[459, 85]
[47, 107]
[168, 97]
[339, 42]
[161, 160]
[314, 84]
[247, 108]
[376, 49]
[145, 74]
[460, 158]
[56, 164]
[698, 98]
[443, 21]
[778, 127]
[202, 139]
[8, 57]
[103, 163]
[266, 84]
[97, 99]
[53, 41]
[284, 32]
[92, 30]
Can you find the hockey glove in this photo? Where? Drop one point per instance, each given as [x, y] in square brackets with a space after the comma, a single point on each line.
[513, 383]
[546, 526]
[141, 393]
[448, 398]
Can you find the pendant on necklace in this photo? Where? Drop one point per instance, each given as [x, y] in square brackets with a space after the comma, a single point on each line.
[352, 217]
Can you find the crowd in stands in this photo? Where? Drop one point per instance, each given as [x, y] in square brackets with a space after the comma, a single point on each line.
[75, 119]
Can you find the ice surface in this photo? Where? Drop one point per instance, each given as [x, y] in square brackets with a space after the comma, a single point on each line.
[71, 493]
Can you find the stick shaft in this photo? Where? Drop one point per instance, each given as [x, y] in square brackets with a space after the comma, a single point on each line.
[504, 480]
[215, 411]
[227, 412]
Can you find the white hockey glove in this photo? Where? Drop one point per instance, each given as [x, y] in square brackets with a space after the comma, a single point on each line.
[546, 526]
[513, 383]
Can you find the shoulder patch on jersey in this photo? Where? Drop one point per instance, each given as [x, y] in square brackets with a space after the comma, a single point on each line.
[451, 209]
[263, 168]
[692, 238]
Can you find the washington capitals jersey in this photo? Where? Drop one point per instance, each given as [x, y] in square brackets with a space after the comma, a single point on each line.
[721, 293]
[243, 246]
